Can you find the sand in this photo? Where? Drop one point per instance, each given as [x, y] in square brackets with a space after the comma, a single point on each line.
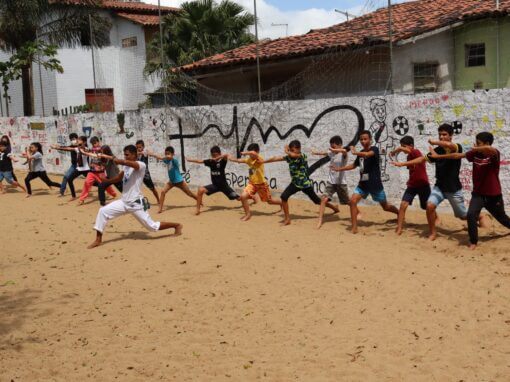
[232, 301]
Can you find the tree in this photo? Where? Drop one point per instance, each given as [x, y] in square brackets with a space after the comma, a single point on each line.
[201, 29]
[60, 24]
[38, 52]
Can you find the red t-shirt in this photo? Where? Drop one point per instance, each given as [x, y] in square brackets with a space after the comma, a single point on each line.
[418, 173]
[485, 173]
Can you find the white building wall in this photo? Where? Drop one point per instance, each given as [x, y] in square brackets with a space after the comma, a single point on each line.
[15, 94]
[437, 48]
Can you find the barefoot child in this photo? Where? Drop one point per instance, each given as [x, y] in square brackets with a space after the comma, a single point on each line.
[97, 172]
[257, 180]
[174, 176]
[143, 157]
[336, 183]
[82, 163]
[300, 179]
[34, 157]
[6, 159]
[418, 183]
[217, 164]
[132, 201]
[73, 138]
[370, 178]
[487, 191]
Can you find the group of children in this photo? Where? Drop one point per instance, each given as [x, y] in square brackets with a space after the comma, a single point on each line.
[99, 167]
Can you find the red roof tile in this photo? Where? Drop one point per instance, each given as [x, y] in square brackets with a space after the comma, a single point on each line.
[146, 20]
[121, 6]
[410, 19]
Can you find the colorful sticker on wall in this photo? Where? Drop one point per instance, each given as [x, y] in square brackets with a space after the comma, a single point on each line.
[87, 131]
[37, 125]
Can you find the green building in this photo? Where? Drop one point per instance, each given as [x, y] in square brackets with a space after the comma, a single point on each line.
[482, 54]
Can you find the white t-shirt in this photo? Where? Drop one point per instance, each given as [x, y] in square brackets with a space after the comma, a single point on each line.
[85, 161]
[132, 183]
[337, 160]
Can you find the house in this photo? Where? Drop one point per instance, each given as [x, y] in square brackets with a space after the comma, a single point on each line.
[435, 47]
[114, 82]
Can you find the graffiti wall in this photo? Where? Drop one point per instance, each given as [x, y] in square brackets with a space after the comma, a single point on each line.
[192, 131]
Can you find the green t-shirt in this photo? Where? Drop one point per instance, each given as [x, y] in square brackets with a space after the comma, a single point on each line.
[299, 171]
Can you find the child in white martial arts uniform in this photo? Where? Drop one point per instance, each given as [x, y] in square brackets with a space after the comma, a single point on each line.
[132, 201]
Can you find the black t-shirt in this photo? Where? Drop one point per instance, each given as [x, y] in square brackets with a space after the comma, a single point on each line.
[447, 170]
[74, 156]
[5, 161]
[145, 159]
[217, 171]
[370, 171]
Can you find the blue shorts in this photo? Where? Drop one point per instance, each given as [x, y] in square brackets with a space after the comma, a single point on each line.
[378, 196]
[456, 200]
[7, 175]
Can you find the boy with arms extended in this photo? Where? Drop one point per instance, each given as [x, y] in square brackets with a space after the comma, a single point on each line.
[257, 183]
[300, 178]
[174, 176]
[370, 178]
[448, 185]
[144, 157]
[132, 201]
[217, 164]
[418, 183]
[487, 191]
[336, 181]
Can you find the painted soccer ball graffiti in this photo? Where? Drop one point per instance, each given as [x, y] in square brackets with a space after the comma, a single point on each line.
[457, 127]
[401, 125]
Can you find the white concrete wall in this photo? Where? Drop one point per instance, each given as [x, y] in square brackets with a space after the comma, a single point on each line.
[438, 48]
[480, 111]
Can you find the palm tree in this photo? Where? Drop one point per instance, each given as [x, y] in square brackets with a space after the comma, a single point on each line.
[61, 24]
[202, 28]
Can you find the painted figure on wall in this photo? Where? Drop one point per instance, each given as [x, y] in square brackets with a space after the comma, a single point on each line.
[379, 131]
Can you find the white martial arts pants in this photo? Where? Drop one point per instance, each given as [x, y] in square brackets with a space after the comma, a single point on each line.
[119, 208]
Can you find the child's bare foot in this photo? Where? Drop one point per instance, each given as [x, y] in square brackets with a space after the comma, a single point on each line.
[354, 231]
[433, 236]
[245, 218]
[178, 230]
[472, 247]
[319, 224]
[160, 211]
[285, 222]
[398, 231]
[28, 196]
[197, 212]
[72, 199]
[95, 244]
[81, 202]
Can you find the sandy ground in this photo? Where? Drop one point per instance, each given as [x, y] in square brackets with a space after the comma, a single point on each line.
[232, 301]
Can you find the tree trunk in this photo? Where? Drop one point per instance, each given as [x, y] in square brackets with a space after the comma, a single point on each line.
[6, 103]
[28, 90]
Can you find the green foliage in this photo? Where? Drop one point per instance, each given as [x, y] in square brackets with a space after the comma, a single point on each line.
[202, 28]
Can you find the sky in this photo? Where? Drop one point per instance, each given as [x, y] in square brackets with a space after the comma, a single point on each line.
[300, 15]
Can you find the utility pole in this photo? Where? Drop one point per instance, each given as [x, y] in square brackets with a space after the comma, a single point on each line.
[162, 54]
[40, 78]
[257, 49]
[390, 33]
[93, 59]
[282, 25]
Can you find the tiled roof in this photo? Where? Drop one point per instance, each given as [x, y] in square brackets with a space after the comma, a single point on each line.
[131, 7]
[409, 19]
[146, 20]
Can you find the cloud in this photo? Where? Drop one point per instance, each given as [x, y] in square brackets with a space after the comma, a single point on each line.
[299, 21]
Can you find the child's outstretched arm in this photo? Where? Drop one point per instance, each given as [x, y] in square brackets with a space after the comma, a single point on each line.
[320, 153]
[434, 155]
[273, 159]
[199, 161]
[349, 167]
[399, 150]
[235, 160]
[62, 148]
[89, 153]
[362, 154]
[446, 145]
[154, 155]
[488, 150]
[410, 163]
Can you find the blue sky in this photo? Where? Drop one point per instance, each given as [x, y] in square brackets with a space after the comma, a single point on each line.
[300, 15]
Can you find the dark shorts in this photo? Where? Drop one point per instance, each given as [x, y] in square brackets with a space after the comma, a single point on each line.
[147, 180]
[292, 189]
[422, 192]
[225, 189]
[339, 189]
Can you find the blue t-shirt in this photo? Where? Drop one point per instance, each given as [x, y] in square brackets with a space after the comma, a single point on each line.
[174, 174]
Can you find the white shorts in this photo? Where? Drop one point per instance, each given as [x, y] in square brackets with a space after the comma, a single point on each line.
[119, 208]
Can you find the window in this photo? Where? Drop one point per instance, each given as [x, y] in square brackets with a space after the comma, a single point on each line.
[425, 77]
[129, 42]
[101, 100]
[475, 55]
